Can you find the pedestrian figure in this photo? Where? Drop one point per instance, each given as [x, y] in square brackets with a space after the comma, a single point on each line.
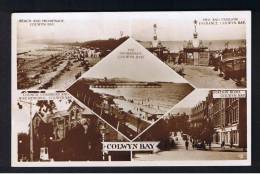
[187, 144]
[223, 144]
[231, 144]
[193, 144]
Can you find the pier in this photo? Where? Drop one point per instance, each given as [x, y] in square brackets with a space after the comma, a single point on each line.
[125, 85]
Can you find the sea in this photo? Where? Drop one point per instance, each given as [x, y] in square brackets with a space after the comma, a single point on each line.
[176, 46]
[163, 98]
[25, 47]
[173, 46]
[36, 47]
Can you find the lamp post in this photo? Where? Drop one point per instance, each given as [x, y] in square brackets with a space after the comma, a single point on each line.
[31, 128]
[19, 145]
[102, 129]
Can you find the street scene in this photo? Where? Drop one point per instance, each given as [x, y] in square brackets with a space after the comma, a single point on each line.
[210, 128]
[57, 128]
[204, 63]
[179, 152]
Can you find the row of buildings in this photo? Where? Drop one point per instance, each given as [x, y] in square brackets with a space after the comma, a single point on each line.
[224, 119]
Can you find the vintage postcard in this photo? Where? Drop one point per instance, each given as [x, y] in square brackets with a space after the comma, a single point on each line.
[131, 89]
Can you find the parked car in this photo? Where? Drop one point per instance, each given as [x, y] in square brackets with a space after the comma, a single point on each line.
[200, 146]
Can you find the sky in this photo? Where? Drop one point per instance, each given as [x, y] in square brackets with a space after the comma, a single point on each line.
[190, 101]
[149, 68]
[172, 26]
[21, 117]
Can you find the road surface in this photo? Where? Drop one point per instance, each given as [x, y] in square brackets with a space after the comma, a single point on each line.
[180, 153]
[206, 77]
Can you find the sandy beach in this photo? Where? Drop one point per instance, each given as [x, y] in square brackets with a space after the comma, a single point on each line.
[50, 67]
[145, 102]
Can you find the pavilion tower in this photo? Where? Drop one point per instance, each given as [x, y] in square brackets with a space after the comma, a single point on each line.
[155, 38]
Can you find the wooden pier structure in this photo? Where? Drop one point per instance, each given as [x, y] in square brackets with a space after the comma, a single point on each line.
[125, 85]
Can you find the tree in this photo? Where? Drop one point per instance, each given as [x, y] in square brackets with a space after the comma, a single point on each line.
[208, 131]
[46, 106]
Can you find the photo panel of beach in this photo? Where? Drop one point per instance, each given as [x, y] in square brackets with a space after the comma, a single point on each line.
[124, 93]
[205, 125]
[52, 52]
[60, 129]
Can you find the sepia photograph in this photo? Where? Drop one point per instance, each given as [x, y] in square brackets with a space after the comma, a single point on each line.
[62, 130]
[208, 52]
[53, 54]
[203, 126]
[131, 88]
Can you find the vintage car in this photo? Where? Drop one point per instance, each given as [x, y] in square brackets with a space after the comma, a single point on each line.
[234, 68]
[200, 145]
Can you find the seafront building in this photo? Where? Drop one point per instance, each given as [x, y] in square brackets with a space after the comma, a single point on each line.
[198, 114]
[228, 119]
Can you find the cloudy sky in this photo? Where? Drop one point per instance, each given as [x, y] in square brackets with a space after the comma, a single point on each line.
[90, 26]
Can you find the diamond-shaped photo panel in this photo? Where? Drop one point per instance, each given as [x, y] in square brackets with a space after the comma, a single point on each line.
[130, 88]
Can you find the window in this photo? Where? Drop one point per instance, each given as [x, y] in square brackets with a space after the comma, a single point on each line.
[235, 137]
[235, 115]
[222, 104]
[230, 115]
